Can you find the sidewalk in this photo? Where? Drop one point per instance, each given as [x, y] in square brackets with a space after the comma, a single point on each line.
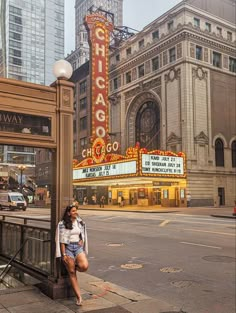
[98, 297]
[224, 212]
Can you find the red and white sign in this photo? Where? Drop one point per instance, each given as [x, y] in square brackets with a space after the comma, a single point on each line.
[99, 29]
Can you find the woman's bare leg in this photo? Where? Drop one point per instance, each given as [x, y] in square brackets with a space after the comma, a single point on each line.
[70, 266]
[81, 262]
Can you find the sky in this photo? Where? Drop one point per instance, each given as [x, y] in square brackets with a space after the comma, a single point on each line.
[136, 15]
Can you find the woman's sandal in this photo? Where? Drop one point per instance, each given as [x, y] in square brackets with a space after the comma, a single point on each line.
[79, 301]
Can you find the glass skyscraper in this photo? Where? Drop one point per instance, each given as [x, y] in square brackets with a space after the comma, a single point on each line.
[81, 53]
[31, 39]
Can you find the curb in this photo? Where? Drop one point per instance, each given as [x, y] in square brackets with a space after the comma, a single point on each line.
[224, 216]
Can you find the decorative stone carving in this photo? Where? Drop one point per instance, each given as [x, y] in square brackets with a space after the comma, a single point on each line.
[179, 50]
[147, 67]
[199, 73]
[172, 75]
[134, 74]
[143, 87]
[225, 61]
[66, 97]
[192, 50]
[206, 59]
[173, 139]
[201, 139]
[165, 58]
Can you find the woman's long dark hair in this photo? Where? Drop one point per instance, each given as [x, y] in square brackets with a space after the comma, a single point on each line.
[66, 217]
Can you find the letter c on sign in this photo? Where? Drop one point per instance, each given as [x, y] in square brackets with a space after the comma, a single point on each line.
[98, 35]
[98, 82]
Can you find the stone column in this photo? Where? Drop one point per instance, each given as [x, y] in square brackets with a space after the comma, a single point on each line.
[57, 285]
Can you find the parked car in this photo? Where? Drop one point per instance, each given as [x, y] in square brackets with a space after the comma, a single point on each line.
[12, 201]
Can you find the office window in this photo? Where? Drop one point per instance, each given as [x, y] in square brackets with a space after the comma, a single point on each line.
[128, 77]
[198, 53]
[219, 30]
[232, 65]
[74, 147]
[155, 63]
[208, 27]
[196, 22]
[83, 142]
[74, 126]
[117, 58]
[172, 55]
[219, 152]
[155, 35]
[83, 103]
[83, 86]
[141, 44]
[83, 123]
[216, 59]
[170, 25]
[128, 51]
[115, 83]
[229, 36]
[141, 70]
[233, 152]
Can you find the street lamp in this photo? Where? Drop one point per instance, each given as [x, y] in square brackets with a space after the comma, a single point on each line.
[62, 69]
[21, 168]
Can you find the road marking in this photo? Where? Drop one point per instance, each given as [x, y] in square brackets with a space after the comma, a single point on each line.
[212, 232]
[198, 244]
[164, 223]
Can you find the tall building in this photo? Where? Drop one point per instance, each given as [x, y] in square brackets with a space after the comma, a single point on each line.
[81, 53]
[172, 88]
[31, 39]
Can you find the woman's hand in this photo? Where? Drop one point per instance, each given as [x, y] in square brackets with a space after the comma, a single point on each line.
[81, 243]
[65, 258]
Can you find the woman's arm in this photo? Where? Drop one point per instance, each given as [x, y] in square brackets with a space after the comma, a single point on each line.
[63, 252]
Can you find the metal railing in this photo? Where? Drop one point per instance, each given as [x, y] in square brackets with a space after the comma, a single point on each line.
[25, 245]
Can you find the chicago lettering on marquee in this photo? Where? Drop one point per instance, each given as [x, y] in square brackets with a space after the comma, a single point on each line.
[99, 29]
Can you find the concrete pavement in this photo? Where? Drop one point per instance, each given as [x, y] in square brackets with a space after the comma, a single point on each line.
[98, 297]
[224, 212]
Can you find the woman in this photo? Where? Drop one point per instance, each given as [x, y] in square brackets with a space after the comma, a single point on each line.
[72, 246]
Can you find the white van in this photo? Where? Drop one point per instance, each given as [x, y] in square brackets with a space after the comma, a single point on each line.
[12, 201]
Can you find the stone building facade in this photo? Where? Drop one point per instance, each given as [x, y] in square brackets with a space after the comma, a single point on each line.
[179, 75]
[172, 87]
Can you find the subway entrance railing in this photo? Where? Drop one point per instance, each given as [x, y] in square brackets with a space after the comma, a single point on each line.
[25, 244]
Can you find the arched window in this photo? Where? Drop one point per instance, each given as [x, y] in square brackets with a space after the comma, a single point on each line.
[147, 126]
[219, 152]
[233, 151]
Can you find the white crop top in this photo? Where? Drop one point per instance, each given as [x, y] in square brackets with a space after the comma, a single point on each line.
[75, 232]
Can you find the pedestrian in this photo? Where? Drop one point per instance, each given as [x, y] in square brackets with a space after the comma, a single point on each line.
[72, 246]
[102, 201]
[122, 201]
[188, 199]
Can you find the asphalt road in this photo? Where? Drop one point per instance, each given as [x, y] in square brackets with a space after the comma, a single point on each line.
[185, 259]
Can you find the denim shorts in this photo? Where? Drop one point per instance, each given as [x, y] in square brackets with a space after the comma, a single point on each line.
[73, 249]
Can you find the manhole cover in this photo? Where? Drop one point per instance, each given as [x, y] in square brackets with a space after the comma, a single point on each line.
[131, 266]
[174, 312]
[171, 270]
[114, 244]
[183, 283]
[219, 258]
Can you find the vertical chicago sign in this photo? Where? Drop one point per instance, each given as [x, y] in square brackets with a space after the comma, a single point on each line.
[99, 29]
